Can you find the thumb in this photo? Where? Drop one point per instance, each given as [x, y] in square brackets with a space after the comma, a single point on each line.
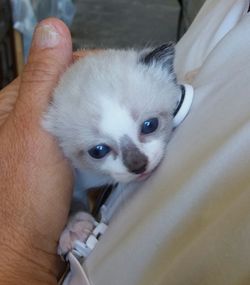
[50, 54]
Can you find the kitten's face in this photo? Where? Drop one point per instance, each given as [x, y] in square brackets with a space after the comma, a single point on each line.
[112, 113]
[127, 145]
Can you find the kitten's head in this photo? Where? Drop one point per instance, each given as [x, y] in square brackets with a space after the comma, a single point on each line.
[112, 111]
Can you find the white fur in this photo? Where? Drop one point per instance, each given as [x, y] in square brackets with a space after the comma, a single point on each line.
[104, 97]
[94, 103]
[119, 114]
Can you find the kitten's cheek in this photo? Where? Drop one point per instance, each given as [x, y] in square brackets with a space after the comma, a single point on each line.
[155, 160]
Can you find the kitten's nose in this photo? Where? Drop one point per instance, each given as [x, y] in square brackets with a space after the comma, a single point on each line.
[139, 168]
[135, 161]
[138, 163]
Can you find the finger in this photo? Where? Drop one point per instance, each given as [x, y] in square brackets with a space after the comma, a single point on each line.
[8, 97]
[50, 54]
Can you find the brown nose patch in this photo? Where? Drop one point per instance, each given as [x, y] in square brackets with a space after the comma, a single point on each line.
[135, 161]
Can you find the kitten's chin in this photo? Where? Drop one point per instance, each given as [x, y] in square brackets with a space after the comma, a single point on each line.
[134, 177]
[143, 176]
[124, 177]
[127, 177]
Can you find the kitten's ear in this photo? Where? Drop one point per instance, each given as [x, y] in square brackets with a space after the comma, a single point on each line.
[162, 55]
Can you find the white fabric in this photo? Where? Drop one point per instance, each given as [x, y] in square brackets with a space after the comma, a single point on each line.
[190, 223]
[77, 275]
[213, 22]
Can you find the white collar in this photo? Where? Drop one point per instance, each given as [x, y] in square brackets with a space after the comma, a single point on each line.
[184, 104]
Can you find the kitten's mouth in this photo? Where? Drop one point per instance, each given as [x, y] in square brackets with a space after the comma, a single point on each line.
[147, 174]
[143, 176]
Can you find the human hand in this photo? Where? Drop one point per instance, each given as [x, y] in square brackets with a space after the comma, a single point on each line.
[35, 179]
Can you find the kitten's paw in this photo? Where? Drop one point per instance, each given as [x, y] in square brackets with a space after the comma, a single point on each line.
[79, 228]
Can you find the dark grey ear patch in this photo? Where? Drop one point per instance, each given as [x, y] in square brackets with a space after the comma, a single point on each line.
[162, 55]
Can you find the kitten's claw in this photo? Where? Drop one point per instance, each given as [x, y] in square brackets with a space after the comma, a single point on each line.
[79, 228]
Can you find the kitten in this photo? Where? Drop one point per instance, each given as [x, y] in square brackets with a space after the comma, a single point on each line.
[112, 114]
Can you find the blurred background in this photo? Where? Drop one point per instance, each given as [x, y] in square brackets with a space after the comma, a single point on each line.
[93, 24]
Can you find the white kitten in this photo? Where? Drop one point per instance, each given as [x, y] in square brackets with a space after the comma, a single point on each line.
[112, 114]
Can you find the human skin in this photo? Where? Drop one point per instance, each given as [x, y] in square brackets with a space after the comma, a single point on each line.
[35, 179]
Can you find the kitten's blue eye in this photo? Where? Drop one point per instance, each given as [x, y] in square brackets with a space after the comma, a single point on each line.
[99, 151]
[149, 126]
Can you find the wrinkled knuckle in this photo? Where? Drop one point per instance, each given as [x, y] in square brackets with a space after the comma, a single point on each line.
[39, 71]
